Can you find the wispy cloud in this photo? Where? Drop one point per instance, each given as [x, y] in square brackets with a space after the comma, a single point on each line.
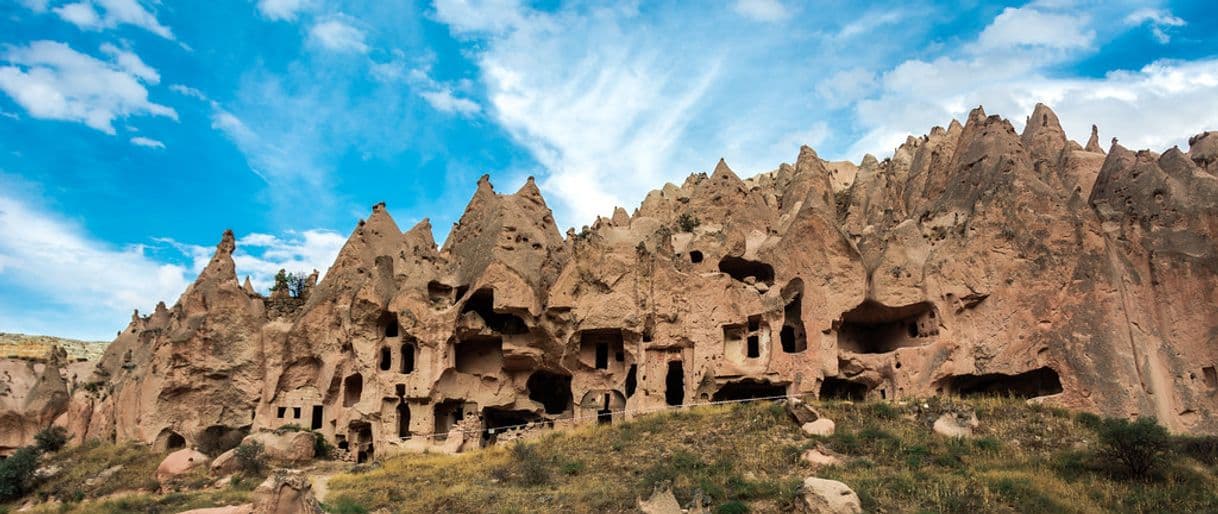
[1159, 20]
[761, 10]
[283, 10]
[147, 142]
[50, 80]
[338, 35]
[443, 100]
[108, 14]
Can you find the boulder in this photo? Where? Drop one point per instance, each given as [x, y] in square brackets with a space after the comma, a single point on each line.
[178, 463]
[226, 463]
[953, 424]
[286, 491]
[800, 411]
[287, 447]
[820, 496]
[822, 427]
[661, 502]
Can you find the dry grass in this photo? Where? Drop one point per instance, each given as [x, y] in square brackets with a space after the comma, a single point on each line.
[1026, 458]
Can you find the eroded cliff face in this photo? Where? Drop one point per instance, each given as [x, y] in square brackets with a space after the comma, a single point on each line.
[975, 260]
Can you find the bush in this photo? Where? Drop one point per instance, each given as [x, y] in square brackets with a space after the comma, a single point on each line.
[530, 466]
[290, 427]
[732, 507]
[1139, 445]
[1202, 448]
[17, 473]
[322, 449]
[51, 439]
[345, 505]
[687, 222]
[1089, 420]
[251, 457]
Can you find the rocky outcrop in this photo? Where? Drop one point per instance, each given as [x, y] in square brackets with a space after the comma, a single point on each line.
[975, 260]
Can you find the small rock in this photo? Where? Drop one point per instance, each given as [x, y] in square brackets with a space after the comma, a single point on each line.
[820, 457]
[178, 463]
[101, 477]
[821, 427]
[285, 492]
[820, 496]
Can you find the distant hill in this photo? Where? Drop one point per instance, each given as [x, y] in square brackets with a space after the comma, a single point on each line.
[38, 347]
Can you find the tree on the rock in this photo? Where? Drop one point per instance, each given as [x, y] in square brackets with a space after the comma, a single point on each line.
[294, 284]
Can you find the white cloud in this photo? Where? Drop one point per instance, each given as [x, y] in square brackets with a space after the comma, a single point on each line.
[443, 100]
[480, 15]
[761, 10]
[1026, 26]
[131, 63]
[95, 285]
[283, 10]
[147, 142]
[846, 86]
[1159, 20]
[338, 36]
[52, 81]
[55, 260]
[188, 91]
[108, 14]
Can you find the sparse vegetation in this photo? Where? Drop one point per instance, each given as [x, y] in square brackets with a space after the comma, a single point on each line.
[687, 222]
[745, 458]
[294, 283]
[51, 439]
[251, 457]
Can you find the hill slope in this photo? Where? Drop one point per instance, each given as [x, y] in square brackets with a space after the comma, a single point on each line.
[745, 458]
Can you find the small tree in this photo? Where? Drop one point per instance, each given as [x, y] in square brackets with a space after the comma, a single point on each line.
[16, 473]
[51, 439]
[251, 458]
[297, 283]
[686, 222]
[1139, 445]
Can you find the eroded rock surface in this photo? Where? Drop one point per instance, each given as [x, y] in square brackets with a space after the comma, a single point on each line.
[975, 260]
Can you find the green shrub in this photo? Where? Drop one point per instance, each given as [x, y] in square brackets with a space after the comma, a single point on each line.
[51, 439]
[1139, 445]
[1202, 448]
[322, 449]
[572, 467]
[251, 457]
[686, 222]
[345, 505]
[732, 507]
[1089, 420]
[17, 473]
[531, 468]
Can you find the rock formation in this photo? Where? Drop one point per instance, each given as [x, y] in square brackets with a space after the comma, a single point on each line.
[975, 260]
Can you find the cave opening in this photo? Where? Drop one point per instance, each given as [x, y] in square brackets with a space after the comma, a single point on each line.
[674, 383]
[834, 388]
[876, 328]
[596, 345]
[1043, 381]
[360, 434]
[389, 324]
[479, 355]
[353, 389]
[695, 256]
[447, 414]
[175, 441]
[315, 423]
[740, 269]
[793, 336]
[749, 389]
[495, 421]
[604, 415]
[439, 293]
[482, 302]
[407, 358]
[632, 380]
[386, 359]
[551, 390]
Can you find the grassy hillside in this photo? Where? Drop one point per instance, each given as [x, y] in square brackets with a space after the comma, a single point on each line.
[738, 458]
[745, 458]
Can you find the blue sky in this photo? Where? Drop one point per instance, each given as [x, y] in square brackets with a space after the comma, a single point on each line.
[133, 132]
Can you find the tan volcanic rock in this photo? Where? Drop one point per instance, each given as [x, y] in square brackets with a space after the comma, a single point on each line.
[975, 260]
